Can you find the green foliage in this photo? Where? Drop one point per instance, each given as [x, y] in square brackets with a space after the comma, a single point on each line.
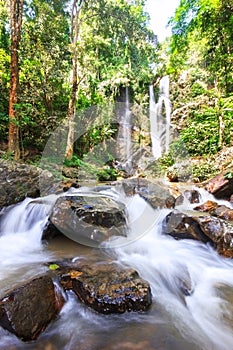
[7, 156]
[204, 171]
[107, 174]
[203, 21]
[197, 89]
[202, 132]
[3, 125]
[201, 135]
[73, 162]
[229, 175]
[111, 53]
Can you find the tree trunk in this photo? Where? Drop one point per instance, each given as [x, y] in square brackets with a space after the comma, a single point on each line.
[74, 36]
[16, 9]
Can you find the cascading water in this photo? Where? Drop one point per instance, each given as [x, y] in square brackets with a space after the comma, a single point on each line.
[160, 117]
[199, 320]
[124, 135]
[154, 126]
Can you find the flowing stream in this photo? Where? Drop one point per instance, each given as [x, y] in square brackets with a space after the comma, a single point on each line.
[202, 320]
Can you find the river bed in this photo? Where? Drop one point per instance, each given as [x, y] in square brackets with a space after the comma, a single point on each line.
[202, 320]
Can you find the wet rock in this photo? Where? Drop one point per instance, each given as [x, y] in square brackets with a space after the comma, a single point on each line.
[182, 226]
[193, 196]
[212, 227]
[155, 193]
[27, 310]
[221, 186]
[50, 231]
[231, 199]
[106, 287]
[220, 232]
[19, 181]
[207, 206]
[89, 219]
[221, 211]
[207, 228]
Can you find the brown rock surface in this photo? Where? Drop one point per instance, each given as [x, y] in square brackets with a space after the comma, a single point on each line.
[221, 186]
[106, 287]
[89, 218]
[27, 310]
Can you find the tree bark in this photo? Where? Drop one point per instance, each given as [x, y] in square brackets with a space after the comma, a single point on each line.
[16, 9]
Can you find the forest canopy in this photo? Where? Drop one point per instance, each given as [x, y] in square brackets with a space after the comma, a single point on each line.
[59, 57]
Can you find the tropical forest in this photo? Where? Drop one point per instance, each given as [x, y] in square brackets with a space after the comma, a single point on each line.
[116, 176]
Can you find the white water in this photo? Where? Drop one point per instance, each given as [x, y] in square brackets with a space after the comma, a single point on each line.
[160, 120]
[124, 135]
[200, 321]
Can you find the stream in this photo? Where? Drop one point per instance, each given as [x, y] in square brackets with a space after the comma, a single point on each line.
[202, 320]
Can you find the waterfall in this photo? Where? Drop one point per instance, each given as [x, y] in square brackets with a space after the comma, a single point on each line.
[154, 126]
[160, 117]
[124, 135]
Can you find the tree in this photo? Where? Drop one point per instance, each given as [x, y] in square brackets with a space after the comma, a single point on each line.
[16, 11]
[4, 69]
[74, 36]
[195, 20]
[44, 70]
[107, 54]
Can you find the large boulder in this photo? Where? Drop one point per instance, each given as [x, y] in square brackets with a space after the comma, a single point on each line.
[19, 181]
[205, 228]
[89, 219]
[221, 186]
[105, 287]
[27, 310]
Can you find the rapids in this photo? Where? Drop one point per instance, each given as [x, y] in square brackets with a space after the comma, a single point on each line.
[200, 319]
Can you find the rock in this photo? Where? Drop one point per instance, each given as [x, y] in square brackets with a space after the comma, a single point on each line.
[128, 345]
[183, 226]
[105, 287]
[50, 231]
[193, 196]
[207, 206]
[19, 181]
[155, 193]
[220, 232]
[207, 228]
[212, 227]
[141, 159]
[27, 310]
[221, 186]
[221, 211]
[90, 218]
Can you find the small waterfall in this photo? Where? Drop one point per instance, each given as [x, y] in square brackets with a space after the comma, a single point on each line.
[160, 117]
[154, 126]
[124, 135]
[21, 228]
[25, 215]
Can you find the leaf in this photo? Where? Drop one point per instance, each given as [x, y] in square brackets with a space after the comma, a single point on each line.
[53, 267]
[74, 274]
